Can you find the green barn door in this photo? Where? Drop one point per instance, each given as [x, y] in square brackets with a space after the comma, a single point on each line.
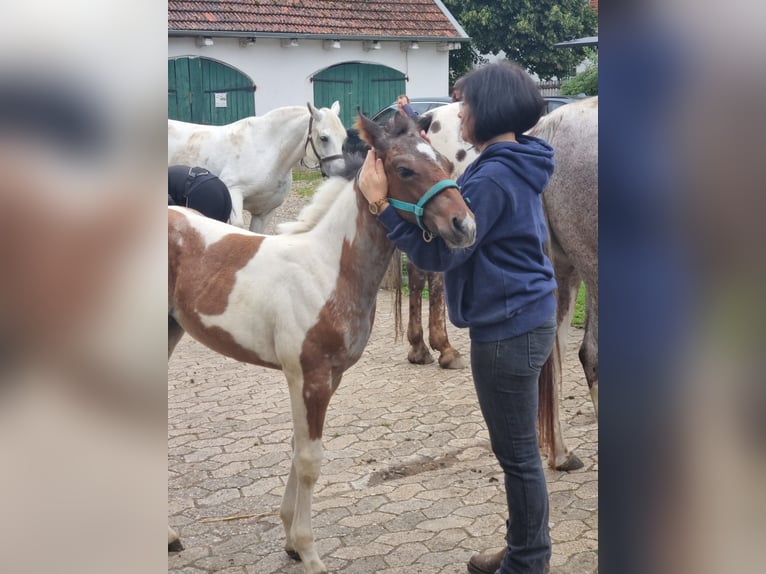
[368, 86]
[204, 91]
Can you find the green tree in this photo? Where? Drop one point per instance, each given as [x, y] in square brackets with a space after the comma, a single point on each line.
[526, 31]
[462, 61]
[585, 82]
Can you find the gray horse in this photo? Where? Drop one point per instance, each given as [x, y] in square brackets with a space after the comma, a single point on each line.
[571, 208]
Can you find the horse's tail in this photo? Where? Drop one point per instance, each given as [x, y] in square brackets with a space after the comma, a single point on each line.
[546, 407]
[550, 374]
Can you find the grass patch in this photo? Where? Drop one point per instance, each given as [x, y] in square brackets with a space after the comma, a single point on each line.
[307, 175]
[578, 319]
[305, 181]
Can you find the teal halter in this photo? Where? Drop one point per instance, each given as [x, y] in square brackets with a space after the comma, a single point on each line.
[417, 208]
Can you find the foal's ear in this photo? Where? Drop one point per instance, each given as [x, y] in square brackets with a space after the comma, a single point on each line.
[335, 107]
[312, 110]
[372, 134]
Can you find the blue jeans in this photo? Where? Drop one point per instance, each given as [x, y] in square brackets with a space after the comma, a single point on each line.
[506, 374]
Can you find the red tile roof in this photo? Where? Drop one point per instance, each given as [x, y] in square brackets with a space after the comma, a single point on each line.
[356, 18]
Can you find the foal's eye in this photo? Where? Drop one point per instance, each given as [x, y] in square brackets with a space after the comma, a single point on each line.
[404, 171]
[324, 139]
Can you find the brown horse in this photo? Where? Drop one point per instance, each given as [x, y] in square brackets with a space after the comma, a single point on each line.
[303, 301]
[571, 209]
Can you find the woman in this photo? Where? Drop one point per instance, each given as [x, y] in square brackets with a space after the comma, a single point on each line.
[502, 289]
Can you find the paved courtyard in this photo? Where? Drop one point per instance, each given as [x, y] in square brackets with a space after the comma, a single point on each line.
[408, 485]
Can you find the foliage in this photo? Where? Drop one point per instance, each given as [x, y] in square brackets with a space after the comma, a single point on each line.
[462, 61]
[585, 82]
[526, 31]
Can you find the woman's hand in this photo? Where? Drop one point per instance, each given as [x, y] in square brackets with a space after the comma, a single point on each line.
[373, 182]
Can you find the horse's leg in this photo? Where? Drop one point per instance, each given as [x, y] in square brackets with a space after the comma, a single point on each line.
[175, 332]
[589, 348]
[418, 353]
[259, 221]
[287, 510]
[237, 211]
[267, 204]
[308, 411]
[568, 284]
[174, 542]
[449, 358]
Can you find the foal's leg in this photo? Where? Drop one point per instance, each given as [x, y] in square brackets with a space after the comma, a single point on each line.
[287, 510]
[418, 353]
[309, 397]
[449, 358]
[175, 332]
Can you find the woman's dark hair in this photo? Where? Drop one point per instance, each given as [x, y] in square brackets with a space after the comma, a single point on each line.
[501, 98]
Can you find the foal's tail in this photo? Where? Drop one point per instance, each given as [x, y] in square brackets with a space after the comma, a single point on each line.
[546, 407]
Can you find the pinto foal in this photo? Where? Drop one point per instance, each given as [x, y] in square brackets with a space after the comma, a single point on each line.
[304, 301]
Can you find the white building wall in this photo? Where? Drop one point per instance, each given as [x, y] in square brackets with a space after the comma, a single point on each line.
[282, 74]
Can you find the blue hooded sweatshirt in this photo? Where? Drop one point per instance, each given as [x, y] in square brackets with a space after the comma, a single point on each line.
[503, 285]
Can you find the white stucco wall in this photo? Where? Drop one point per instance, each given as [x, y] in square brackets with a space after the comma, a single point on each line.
[282, 75]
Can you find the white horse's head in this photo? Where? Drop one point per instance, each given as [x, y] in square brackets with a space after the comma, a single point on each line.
[324, 145]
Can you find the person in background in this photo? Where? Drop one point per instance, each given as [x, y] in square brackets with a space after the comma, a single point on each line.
[403, 103]
[501, 288]
[199, 189]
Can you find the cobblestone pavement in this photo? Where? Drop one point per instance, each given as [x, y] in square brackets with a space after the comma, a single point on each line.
[408, 485]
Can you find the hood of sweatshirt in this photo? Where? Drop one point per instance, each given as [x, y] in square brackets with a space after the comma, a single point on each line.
[530, 159]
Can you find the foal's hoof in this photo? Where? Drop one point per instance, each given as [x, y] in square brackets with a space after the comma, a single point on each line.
[293, 554]
[572, 462]
[175, 546]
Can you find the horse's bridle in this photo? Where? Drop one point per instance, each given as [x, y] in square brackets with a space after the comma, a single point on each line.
[417, 208]
[310, 141]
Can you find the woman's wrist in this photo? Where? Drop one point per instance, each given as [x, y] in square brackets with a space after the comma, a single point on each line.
[378, 206]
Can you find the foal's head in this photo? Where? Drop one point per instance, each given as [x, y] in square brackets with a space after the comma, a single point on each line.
[418, 180]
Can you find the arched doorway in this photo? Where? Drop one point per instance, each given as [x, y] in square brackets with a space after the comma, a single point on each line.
[206, 91]
[369, 86]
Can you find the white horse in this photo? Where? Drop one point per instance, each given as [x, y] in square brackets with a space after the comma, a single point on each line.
[254, 156]
[571, 209]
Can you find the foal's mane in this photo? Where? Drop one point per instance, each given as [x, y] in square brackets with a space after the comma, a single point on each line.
[324, 197]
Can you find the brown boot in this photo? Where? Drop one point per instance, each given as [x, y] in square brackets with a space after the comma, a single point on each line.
[486, 563]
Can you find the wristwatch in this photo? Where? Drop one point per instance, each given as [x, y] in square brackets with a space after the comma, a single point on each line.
[376, 206]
